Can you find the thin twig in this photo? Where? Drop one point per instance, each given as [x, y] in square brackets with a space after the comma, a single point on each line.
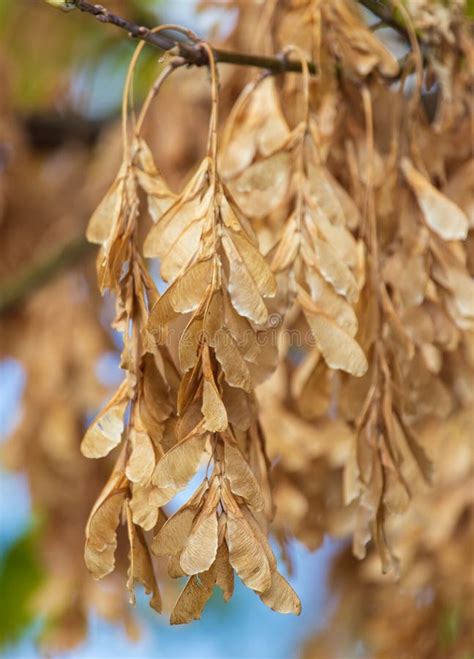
[16, 290]
[193, 53]
[387, 14]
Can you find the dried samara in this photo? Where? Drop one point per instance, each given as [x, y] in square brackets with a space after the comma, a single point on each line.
[193, 358]
[310, 215]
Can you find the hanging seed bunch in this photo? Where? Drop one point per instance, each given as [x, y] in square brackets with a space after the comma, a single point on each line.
[140, 413]
[219, 285]
[315, 213]
[433, 562]
[315, 251]
[193, 358]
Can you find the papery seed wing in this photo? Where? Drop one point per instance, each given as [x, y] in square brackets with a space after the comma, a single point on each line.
[201, 544]
[183, 296]
[213, 410]
[441, 214]
[106, 215]
[105, 431]
[141, 462]
[281, 597]
[241, 478]
[243, 287]
[246, 554]
[101, 528]
[262, 187]
[235, 368]
[222, 572]
[339, 349]
[140, 565]
[176, 468]
[192, 599]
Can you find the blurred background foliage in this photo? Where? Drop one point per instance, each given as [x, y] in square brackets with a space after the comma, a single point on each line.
[21, 574]
[68, 74]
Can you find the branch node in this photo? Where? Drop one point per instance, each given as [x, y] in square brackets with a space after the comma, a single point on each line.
[283, 59]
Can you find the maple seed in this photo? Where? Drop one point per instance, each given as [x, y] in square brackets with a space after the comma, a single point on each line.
[318, 307]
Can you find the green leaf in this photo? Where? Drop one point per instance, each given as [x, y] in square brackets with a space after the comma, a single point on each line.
[449, 628]
[21, 574]
[469, 10]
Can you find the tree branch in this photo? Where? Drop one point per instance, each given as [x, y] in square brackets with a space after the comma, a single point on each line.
[387, 15]
[193, 53]
[16, 289]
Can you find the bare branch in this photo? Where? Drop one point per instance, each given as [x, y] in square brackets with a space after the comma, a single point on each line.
[387, 15]
[193, 53]
[16, 290]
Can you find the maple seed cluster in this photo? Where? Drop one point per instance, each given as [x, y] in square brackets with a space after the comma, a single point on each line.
[191, 404]
[265, 230]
